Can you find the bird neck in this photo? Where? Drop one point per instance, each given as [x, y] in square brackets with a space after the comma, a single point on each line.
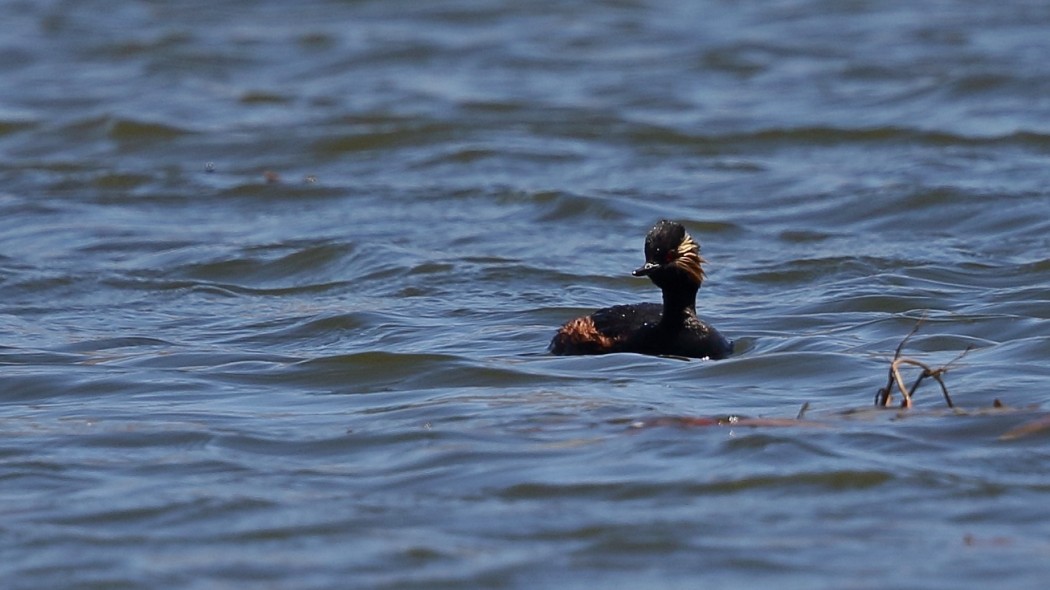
[679, 303]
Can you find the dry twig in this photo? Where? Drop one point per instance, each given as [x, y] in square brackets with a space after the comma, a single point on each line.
[884, 396]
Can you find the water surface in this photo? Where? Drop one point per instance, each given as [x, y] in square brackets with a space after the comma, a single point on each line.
[277, 282]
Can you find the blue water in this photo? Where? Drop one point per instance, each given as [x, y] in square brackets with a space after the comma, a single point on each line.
[277, 282]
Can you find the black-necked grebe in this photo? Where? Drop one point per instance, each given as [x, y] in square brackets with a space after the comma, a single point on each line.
[673, 263]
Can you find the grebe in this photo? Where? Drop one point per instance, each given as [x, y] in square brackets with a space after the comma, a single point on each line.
[673, 263]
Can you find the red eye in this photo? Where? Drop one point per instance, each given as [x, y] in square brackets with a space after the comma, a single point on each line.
[669, 256]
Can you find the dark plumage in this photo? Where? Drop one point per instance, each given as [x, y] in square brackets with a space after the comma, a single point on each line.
[673, 263]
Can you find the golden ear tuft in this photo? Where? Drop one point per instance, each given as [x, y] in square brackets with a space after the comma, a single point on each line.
[689, 259]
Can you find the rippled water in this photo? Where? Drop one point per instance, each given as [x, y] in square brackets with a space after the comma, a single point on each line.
[277, 281]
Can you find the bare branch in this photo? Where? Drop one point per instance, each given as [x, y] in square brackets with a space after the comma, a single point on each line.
[884, 396]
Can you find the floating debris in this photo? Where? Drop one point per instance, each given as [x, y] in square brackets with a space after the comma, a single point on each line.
[884, 396]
